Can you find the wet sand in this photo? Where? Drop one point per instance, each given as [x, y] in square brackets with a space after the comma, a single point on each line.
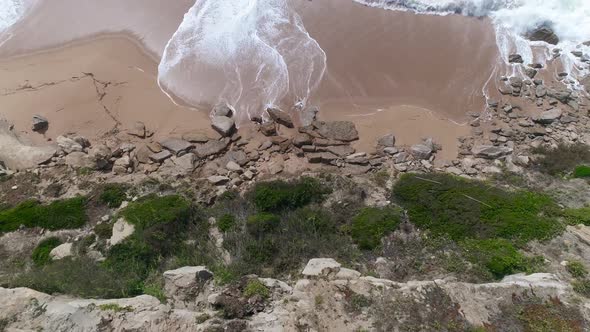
[67, 85]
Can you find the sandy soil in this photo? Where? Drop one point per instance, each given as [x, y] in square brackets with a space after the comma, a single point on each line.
[91, 88]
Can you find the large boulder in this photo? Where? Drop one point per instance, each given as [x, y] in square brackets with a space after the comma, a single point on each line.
[137, 129]
[337, 130]
[549, 116]
[210, 148]
[80, 160]
[68, 145]
[387, 141]
[280, 117]
[490, 151]
[62, 251]
[421, 151]
[185, 284]
[223, 125]
[175, 145]
[16, 155]
[223, 110]
[121, 230]
[543, 33]
[319, 267]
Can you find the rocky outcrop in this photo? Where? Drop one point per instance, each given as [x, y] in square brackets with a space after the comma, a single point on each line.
[17, 155]
[543, 33]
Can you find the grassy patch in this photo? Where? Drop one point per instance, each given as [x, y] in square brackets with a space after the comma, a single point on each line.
[371, 224]
[576, 269]
[459, 208]
[256, 288]
[62, 214]
[562, 159]
[113, 195]
[499, 257]
[40, 254]
[226, 222]
[104, 230]
[281, 195]
[152, 210]
[578, 216]
[582, 171]
[582, 287]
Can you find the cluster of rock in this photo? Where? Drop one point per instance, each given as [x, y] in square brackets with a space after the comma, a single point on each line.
[322, 300]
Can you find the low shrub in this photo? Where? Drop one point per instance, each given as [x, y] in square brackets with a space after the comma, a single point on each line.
[114, 307]
[576, 269]
[104, 230]
[113, 194]
[371, 224]
[281, 195]
[262, 223]
[582, 287]
[562, 159]
[40, 254]
[578, 216]
[459, 208]
[152, 210]
[62, 214]
[226, 222]
[582, 171]
[255, 287]
[499, 257]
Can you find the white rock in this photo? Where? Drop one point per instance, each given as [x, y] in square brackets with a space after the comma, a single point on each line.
[121, 230]
[321, 267]
[62, 251]
[347, 274]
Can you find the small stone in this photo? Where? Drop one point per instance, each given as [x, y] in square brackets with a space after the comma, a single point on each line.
[161, 156]
[233, 166]
[137, 129]
[280, 117]
[223, 110]
[223, 125]
[268, 128]
[217, 179]
[515, 58]
[40, 123]
[387, 141]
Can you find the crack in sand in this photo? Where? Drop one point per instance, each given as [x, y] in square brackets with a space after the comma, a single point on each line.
[101, 92]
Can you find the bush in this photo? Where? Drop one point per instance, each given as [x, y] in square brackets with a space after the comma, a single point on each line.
[371, 224]
[255, 287]
[262, 223]
[280, 195]
[226, 222]
[113, 195]
[40, 255]
[578, 216]
[582, 171]
[104, 230]
[582, 287]
[576, 269]
[114, 307]
[498, 256]
[62, 214]
[460, 208]
[152, 210]
[562, 159]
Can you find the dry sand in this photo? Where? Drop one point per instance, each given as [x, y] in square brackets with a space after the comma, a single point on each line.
[67, 85]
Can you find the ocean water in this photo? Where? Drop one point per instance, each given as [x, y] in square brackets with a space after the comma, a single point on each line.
[258, 53]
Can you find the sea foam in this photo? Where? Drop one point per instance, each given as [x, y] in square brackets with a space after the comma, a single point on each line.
[251, 54]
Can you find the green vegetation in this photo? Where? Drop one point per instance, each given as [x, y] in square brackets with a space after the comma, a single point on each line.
[226, 222]
[113, 195]
[371, 224]
[153, 210]
[582, 171]
[40, 255]
[582, 287]
[280, 195]
[462, 209]
[576, 269]
[114, 307]
[104, 230]
[562, 159]
[578, 216]
[262, 223]
[62, 214]
[499, 257]
[255, 287]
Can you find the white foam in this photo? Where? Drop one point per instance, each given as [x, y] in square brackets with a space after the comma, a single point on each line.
[249, 53]
[11, 11]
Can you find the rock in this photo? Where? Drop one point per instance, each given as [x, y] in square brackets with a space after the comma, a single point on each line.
[16, 155]
[184, 164]
[80, 160]
[155, 147]
[268, 128]
[421, 151]
[549, 116]
[540, 91]
[68, 145]
[121, 165]
[302, 139]
[543, 33]
[175, 145]
[341, 150]
[308, 115]
[121, 230]
[218, 180]
[62, 251]
[210, 148]
[387, 141]
[320, 267]
[185, 283]
[530, 72]
[337, 130]
[223, 125]
[391, 151]
[586, 82]
[280, 117]
[233, 166]
[142, 154]
[223, 110]
[454, 170]
[40, 123]
[137, 129]
[161, 156]
[347, 274]
[101, 155]
[321, 157]
[490, 151]
[195, 137]
[515, 58]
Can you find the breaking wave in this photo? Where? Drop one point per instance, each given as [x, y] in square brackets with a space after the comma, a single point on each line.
[250, 54]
